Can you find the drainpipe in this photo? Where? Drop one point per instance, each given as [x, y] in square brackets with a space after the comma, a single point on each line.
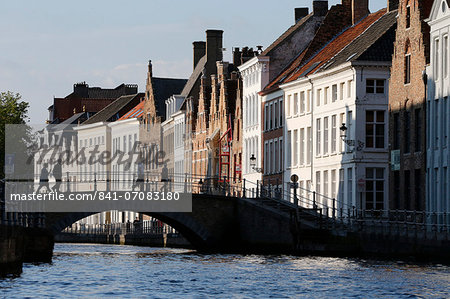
[312, 124]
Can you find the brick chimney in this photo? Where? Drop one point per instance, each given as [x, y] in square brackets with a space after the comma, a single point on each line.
[199, 49]
[214, 45]
[320, 8]
[392, 5]
[300, 13]
[360, 9]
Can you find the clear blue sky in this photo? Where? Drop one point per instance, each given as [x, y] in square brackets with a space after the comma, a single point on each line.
[47, 46]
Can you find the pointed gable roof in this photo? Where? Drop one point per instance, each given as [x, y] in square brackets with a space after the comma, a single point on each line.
[347, 46]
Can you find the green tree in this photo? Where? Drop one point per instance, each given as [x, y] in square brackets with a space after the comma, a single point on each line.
[12, 111]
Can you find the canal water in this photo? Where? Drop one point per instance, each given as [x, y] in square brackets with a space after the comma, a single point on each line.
[94, 271]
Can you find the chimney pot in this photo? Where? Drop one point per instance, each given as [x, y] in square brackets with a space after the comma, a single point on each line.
[199, 50]
[214, 45]
[300, 13]
[320, 7]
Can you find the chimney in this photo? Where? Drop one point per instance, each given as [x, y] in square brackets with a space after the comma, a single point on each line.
[300, 13]
[237, 56]
[392, 5]
[81, 89]
[360, 9]
[214, 45]
[199, 51]
[150, 69]
[320, 8]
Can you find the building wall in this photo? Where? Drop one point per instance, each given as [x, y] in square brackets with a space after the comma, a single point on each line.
[407, 108]
[438, 114]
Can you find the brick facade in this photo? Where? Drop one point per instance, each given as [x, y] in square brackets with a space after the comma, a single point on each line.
[407, 106]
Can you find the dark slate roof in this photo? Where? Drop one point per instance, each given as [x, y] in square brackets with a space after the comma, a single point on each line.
[374, 44]
[68, 122]
[194, 77]
[112, 109]
[163, 88]
[286, 34]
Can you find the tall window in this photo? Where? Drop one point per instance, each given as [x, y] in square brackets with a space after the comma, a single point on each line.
[280, 153]
[334, 92]
[318, 136]
[275, 108]
[444, 122]
[436, 59]
[288, 149]
[288, 106]
[308, 100]
[308, 145]
[295, 149]
[407, 189]
[407, 145]
[349, 121]
[281, 112]
[436, 123]
[318, 181]
[445, 56]
[271, 116]
[341, 188]
[408, 16]
[266, 117]
[349, 187]
[302, 146]
[302, 102]
[325, 135]
[266, 158]
[341, 90]
[275, 152]
[295, 109]
[333, 133]
[374, 188]
[341, 143]
[349, 89]
[318, 96]
[418, 189]
[375, 128]
[325, 95]
[333, 183]
[325, 185]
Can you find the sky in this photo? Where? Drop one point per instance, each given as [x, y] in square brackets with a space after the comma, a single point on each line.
[46, 46]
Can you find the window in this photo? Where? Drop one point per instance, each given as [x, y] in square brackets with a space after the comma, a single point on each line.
[318, 181]
[435, 128]
[288, 106]
[349, 128]
[270, 116]
[407, 68]
[333, 183]
[281, 112]
[375, 129]
[341, 143]
[325, 95]
[334, 93]
[408, 16]
[325, 135]
[407, 190]
[318, 95]
[308, 145]
[325, 185]
[289, 151]
[349, 187]
[302, 146]
[266, 158]
[295, 148]
[349, 89]
[295, 109]
[333, 133]
[445, 56]
[273, 151]
[341, 189]
[375, 86]
[308, 100]
[444, 122]
[302, 102]
[266, 117]
[407, 122]
[275, 108]
[280, 153]
[341, 91]
[418, 189]
[318, 136]
[374, 188]
[396, 131]
[436, 59]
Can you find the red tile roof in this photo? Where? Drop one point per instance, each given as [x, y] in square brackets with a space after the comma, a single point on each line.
[297, 69]
[135, 112]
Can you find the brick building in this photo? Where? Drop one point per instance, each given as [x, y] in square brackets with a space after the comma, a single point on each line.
[86, 99]
[407, 99]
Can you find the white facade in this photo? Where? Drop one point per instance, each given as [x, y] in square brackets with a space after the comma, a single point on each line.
[316, 106]
[438, 111]
[255, 76]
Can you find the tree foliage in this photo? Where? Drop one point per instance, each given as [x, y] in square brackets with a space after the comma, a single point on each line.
[12, 111]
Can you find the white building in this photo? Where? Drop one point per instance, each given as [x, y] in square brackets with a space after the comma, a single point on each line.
[438, 111]
[341, 85]
[255, 76]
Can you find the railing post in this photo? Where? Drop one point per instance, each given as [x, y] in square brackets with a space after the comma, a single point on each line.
[314, 200]
[334, 208]
[95, 181]
[244, 192]
[108, 181]
[185, 182]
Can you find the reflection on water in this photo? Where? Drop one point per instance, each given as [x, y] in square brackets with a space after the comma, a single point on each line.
[87, 270]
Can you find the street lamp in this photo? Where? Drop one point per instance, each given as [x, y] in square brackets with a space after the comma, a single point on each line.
[350, 142]
[253, 164]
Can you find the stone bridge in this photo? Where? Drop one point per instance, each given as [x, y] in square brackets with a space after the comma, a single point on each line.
[219, 223]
